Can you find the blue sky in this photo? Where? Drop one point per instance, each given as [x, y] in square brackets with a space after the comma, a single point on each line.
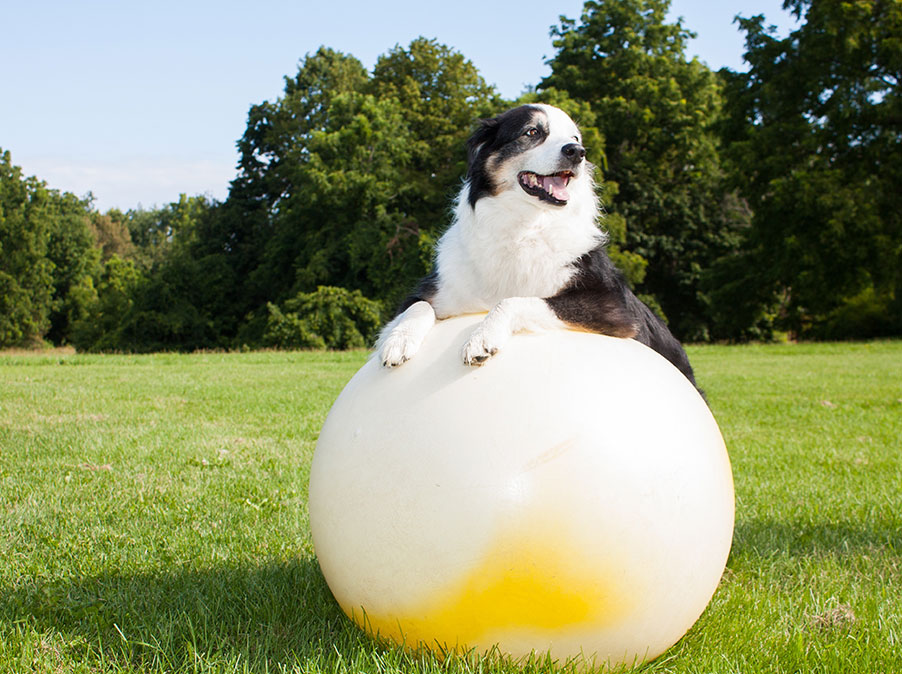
[140, 101]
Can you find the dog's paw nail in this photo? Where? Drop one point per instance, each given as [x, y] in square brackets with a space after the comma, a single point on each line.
[393, 363]
[397, 351]
[478, 353]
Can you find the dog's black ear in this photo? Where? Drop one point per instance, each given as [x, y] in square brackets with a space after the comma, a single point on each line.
[482, 137]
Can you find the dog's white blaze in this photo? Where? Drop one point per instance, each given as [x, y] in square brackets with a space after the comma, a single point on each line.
[562, 131]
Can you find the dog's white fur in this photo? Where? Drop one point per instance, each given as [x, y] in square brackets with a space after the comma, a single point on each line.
[505, 254]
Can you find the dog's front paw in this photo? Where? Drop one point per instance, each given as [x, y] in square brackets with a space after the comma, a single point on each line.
[398, 348]
[482, 345]
[402, 337]
[476, 352]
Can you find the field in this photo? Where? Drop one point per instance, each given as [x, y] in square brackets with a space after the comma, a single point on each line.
[153, 516]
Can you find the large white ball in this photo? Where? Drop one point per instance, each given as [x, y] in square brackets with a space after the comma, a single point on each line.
[573, 495]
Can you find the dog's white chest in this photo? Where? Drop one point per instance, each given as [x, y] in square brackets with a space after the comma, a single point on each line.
[526, 263]
[507, 250]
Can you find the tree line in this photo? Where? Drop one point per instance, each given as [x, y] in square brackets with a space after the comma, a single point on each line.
[740, 205]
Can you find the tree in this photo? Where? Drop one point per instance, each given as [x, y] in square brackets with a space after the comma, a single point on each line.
[184, 296]
[107, 301]
[441, 94]
[49, 259]
[814, 131]
[74, 259]
[274, 142]
[26, 281]
[333, 318]
[111, 234]
[655, 111]
[346, 180]
[334, 219]
[46, 252]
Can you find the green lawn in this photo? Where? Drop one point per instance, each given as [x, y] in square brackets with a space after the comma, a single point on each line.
[153, 516]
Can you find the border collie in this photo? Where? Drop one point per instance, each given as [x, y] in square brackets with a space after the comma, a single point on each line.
[525, 246]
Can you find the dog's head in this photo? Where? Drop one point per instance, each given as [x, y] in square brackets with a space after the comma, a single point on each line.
[535, 150]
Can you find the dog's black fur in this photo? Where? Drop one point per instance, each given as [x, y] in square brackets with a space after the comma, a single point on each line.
[599, 299]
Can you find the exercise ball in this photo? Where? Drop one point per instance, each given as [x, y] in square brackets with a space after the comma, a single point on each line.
[571, 496]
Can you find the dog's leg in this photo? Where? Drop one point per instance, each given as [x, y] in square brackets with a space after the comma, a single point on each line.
[509, 316]
[402, 338]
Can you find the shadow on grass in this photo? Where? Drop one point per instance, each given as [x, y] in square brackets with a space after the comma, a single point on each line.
[260, 616]
[277, 614]
[766, 538]
[272, 617]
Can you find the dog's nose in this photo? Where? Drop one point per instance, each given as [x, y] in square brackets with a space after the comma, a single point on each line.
[574, 152]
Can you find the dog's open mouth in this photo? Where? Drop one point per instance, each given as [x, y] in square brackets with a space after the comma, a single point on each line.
[552, 189]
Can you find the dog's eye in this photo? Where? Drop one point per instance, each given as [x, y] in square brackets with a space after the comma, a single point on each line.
[531, 132]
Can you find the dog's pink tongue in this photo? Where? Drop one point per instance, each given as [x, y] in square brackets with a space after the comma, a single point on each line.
[556, 186]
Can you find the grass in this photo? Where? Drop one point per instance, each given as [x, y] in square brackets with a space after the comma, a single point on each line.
[153, 516]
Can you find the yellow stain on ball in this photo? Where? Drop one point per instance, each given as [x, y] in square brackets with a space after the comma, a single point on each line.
[531, 578]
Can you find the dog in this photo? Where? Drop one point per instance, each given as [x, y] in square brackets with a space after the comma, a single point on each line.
[525, 246]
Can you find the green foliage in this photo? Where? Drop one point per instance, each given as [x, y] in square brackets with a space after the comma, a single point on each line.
[46, 257]
[814, 131]
[75, 259]
[151, 236]
[106, 305]
[346, 179]
[26, 280]
[182, 300]
[289, 331]
[739, 205]
[866, 314]
[111, 234]
[440, 94]
[655, 111]
[333, 318]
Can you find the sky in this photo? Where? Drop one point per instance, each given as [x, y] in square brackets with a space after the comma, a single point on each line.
[137, 102]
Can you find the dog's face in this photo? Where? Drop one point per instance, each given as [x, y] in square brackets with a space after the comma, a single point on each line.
[535, 150]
